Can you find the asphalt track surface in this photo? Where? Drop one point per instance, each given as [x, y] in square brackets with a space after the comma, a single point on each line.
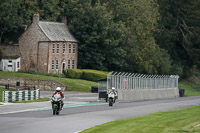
[84, 115]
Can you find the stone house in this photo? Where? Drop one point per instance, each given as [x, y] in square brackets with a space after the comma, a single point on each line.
[48, 47]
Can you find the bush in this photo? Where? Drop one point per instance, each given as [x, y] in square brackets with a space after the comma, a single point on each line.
[74, 73]
[86, 74]
[93, 75]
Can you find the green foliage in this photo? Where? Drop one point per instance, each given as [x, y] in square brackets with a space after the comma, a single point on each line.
[93, 75]
[179, 31]
[74, 73]
[189, 90]
[31, 101]
[145, 36]
[86, 74]
[49, 74]
[183, 120]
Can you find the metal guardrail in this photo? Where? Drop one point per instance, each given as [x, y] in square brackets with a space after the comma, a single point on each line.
[123, 80]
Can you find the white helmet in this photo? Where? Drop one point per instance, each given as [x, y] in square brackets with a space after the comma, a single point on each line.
[58, 89]
[113, 88]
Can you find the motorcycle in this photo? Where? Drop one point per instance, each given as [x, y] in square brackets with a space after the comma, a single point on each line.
[111, 98]
[56, 104]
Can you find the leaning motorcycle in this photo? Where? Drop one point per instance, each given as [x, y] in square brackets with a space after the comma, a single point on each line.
[111, 98]
[56, 104]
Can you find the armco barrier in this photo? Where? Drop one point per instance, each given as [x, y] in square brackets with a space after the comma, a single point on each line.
[25, 95]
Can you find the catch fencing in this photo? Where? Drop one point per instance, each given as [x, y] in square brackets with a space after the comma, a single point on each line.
[25, 95]
[134, 81]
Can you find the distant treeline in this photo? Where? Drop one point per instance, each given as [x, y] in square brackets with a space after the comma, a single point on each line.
[143, 36]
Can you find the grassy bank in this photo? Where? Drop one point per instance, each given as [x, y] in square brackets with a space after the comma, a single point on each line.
[178, 121]
[31, 101]
[72, 84]
[188, 86]
[189, 90]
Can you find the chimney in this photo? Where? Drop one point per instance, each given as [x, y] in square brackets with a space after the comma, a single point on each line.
[64, 20]
[36, 17]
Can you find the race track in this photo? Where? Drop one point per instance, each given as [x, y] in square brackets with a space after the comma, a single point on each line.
[79, 115]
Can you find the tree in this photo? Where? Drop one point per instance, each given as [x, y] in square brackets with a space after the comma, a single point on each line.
[98, 35]
[179, 32]
[8, 16]
[15, 16]
[144, 55]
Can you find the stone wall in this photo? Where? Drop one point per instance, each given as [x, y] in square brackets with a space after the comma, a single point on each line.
[31, 83]
[10, 50]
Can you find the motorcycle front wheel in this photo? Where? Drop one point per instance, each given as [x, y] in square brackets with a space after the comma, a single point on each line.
[110, 102]
[55, 108]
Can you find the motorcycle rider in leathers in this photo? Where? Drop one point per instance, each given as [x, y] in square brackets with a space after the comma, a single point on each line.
[58, 91]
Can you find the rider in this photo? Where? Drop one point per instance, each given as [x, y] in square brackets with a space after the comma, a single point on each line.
[113, 90]
[58, 91]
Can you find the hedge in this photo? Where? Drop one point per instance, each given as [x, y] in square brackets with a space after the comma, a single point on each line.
[86, 74]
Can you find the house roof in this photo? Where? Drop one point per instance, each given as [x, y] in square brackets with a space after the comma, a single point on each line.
[56, 31]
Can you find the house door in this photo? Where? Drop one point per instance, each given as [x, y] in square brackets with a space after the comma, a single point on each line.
[63, 67]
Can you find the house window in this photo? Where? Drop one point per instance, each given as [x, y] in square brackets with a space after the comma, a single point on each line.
[74, 48]
[52, 65]
[63, 48]
[56, 64]
[17, 64]
[53, 49]
[57, 49]
[69, 64]
[70, 48]
[72, 64]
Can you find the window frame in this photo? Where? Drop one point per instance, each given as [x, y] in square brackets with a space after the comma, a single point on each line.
[52, 64]
[56, 64]
[68, 64]
[73, 64]
[70, 46]
[53, 48]
[74, 48]
[18, 64]
[57, 48]
[64, 48]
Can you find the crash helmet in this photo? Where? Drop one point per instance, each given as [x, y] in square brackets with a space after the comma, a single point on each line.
[113, 88]
[58, 89]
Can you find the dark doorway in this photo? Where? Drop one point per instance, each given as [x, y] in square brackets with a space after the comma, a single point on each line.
[63, 67]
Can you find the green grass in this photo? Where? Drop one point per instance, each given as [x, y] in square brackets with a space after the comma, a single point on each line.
[178, 121]
[31, 101]
[189, 90]
[86, 74]
[72, 84]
